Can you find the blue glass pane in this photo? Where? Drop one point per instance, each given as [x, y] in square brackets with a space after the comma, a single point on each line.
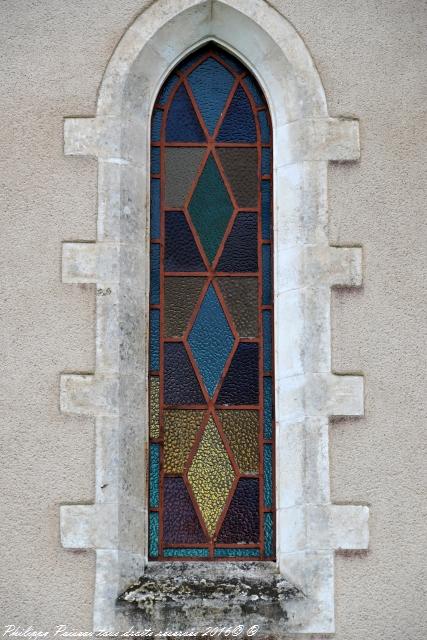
[155, 209]
[255, 91]
[186, 553]
[264, 126]
[266, 327]
[155, 159]
[268, 475]
[231, 61]
[266, 161]
[154, 274]
[266, 274]
[236, 553]
[154, 340]
[154, 474]
[266, 209]
[239, 122]
[241, 383]
[211, 340]
[268, 408]
[210, 83]
[153, 548]
[181, 252]
[241, 248]
[167, 88]
[180, 382]
[182, 124]
[268, 535]
[156, 125]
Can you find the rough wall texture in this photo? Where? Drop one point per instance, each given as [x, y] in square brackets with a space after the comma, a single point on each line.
[371, 62]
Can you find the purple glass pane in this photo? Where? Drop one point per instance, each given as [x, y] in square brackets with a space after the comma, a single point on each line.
[241, 524]
[180, 522]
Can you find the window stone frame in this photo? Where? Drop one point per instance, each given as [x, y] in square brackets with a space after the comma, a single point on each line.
[309, 527]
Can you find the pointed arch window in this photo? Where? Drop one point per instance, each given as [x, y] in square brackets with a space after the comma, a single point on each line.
[211, 462]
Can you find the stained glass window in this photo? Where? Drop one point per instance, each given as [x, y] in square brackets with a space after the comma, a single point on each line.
[211, 484]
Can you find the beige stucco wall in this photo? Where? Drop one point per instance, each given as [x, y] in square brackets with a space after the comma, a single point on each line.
[370, 56]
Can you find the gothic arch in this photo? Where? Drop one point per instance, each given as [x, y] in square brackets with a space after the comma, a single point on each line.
[309, 527]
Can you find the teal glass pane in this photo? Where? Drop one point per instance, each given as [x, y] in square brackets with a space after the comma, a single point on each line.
[155, 209]
[210, 208]
[236, 553]
[154, 474]
[266, 161]
[211, 340]
[154, 273]
[266, 327]
[265, 127]
[210, 83]
[155, 160]
[154, 340]
[268, 535]
[255, 91]
[268, 408]
[186, 553]
[266, 274]
[156, 125]
[268, 474]
[266, 209]
[153, 545]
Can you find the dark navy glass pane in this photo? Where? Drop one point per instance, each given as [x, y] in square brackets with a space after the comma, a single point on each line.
[231, 61]
[210, 83]
[167, 89]
[155, 160]
[268, 535]
[154, 474]
[154, 273]
[241, 523]
[266, 327]
[155, 209]
[266, 274]
[268, 475]
[154, 339]
[239, 122]
[156, 125]
[265, 127]
[266, 209]
[153, 547]
[180, 522]
[182, 123]
[181, 252]
[255, 90]
[180, 382]
[241, 383]
[266, 161]
[234, 552]
[241, 248]
[268, 408]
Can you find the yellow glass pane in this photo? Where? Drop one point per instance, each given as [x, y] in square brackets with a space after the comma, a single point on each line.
[154, 390]
[180, 431]
[241, 429]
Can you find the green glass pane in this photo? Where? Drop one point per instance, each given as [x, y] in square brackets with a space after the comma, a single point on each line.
[241, 169]
[196, 552]
[181, 295]
[241, 429]
[210, 208]
[180, 431]
[241, 298]
[181, 165]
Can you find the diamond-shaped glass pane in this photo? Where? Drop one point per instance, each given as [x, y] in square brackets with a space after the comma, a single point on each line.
[211, 476]
[211, 340]
[210, 208]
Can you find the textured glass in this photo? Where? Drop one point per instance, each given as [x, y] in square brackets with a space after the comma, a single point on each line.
[240, 166]
[154, 339]
[255, 91]
[210, 208]
[154, 474]
[239, 121]
[266, 324]
[181, 166]
[210, 83]
[180, 522]
[154, 387]
[264, 126]
[268, 472]
[153, 547]
[167, 89]
[241, 430]
[211, 340]
[155, 209]
[182, 124]
[181, 295]
[180, 431]
[211, 476]
[155, 160]
[241, 383]
[268, 409]
[241, 523]
[266, 161]
[241, 298]
[186, 553]
[266, 274]
[231, 61]
[156, 124]
[268, 534]
[223, 552]
[154, 274]
[266, 209]
[180, 382]
[241, 248]
[181, 252]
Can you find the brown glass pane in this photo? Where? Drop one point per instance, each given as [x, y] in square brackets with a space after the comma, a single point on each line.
[241, 298]
[241, 168]
[181, 294]
[180, 430]
[181, 166]
[241, 430]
